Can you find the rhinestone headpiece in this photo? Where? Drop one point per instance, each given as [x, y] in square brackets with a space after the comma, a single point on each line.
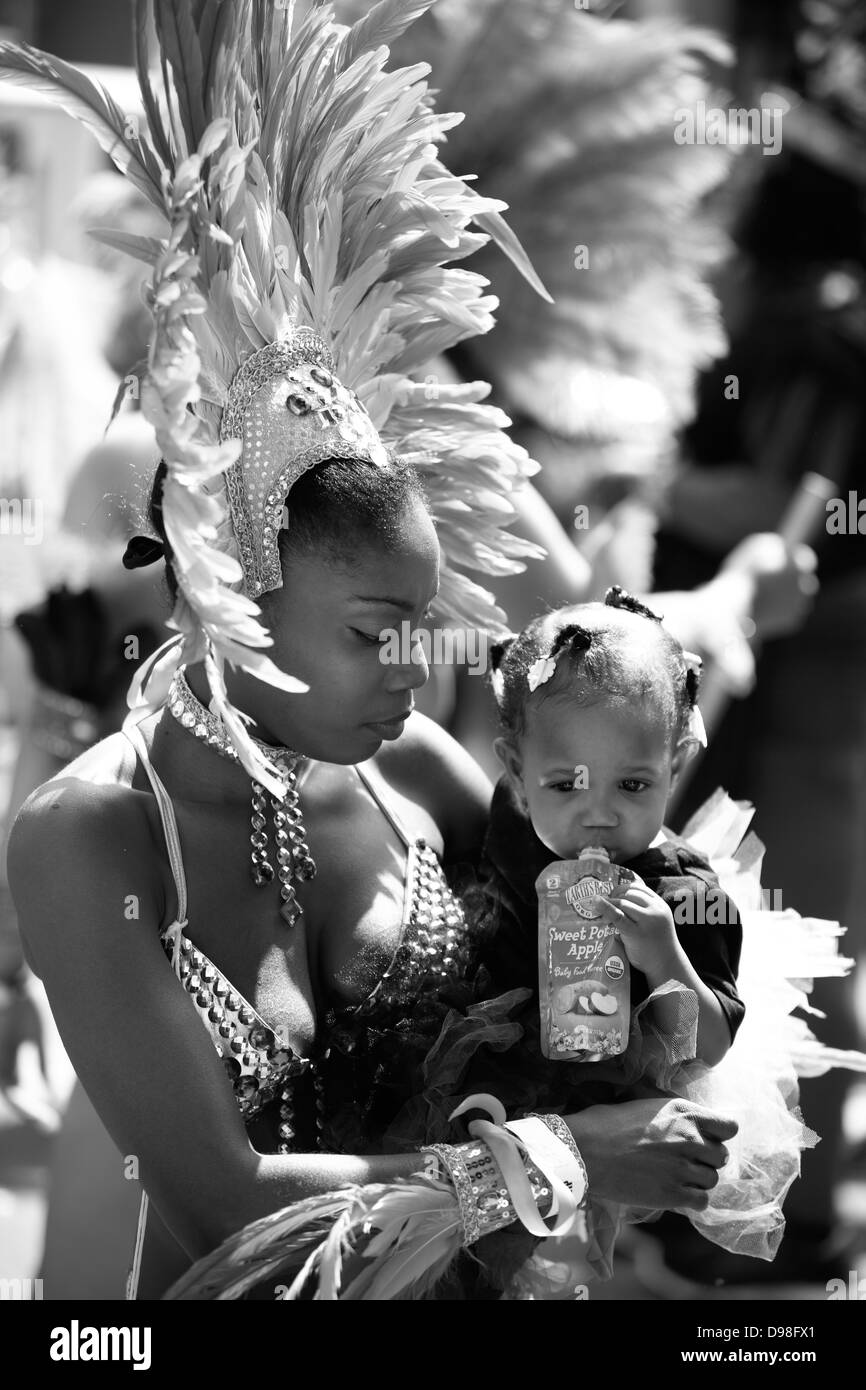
[290, 411]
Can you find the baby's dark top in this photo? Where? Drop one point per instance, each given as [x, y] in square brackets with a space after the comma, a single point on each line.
[514, 857]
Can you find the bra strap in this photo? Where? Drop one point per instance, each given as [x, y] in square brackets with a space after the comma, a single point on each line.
[381, 794]
[169, 826]
[134, 1275]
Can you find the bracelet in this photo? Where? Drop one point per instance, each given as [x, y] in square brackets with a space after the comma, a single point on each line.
[559, 1167]
[482, 1196]
[502, 1173]
[522, 1143]
[557, 1126]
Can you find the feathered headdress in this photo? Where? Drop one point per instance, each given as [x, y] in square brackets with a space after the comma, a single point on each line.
[308, 272]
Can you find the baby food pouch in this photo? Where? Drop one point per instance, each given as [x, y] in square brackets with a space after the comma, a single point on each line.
[583, 970]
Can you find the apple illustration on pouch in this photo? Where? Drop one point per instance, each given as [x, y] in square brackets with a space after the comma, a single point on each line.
[585, 997]
[603, 1004]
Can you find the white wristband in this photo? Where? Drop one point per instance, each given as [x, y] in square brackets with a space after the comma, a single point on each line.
[551, 1154]
[537, 1144]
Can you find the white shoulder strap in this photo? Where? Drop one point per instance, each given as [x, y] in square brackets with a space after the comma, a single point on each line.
[134, 1275]
[166, 812]
[382, 794]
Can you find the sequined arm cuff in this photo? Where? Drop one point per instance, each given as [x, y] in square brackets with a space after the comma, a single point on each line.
[482, 1195]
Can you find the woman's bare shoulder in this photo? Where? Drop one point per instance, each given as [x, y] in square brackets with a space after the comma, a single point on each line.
[98, 784]
[76, 834]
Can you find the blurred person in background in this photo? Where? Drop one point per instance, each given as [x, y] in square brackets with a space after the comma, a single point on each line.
[795, 299]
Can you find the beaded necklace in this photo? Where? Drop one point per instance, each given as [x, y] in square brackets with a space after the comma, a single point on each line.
[293, 857]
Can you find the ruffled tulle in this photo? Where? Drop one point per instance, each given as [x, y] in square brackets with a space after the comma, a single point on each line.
[757, 1082]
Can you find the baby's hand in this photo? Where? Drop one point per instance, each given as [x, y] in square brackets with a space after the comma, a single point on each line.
[645, 925]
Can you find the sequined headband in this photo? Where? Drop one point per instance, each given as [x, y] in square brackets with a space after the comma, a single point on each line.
[291, 412]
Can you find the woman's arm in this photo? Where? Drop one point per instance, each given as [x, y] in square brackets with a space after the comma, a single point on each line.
[561, 576]
[652, 1153]
[81, 870]
[430, 766]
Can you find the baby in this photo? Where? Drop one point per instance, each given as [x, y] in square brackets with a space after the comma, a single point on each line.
[598, 712]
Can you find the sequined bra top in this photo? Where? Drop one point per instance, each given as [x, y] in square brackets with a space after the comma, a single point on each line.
[259, 1064]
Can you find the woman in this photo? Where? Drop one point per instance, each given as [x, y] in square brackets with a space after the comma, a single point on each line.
[304, 278]
[141, 1053]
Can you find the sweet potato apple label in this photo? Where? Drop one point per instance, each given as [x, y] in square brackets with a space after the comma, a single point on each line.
[583, 971]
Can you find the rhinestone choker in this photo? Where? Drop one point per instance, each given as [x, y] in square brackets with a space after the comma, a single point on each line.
[294, 860]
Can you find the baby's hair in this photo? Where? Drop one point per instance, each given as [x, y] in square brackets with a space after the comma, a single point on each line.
[575, 636]
[594, 647]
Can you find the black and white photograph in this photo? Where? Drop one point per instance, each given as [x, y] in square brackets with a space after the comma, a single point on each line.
[433, 667]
